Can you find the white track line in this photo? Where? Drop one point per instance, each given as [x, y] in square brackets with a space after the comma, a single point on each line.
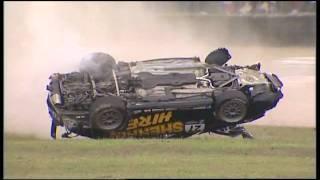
[297, 60]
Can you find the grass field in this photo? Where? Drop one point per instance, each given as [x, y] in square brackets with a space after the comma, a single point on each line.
[276, 152]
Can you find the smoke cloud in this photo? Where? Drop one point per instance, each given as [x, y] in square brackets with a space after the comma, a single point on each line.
[42, 38]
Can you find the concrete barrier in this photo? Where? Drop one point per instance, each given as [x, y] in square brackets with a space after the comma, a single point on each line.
[278, 30]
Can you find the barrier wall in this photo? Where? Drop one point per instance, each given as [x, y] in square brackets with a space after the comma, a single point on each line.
[272, 30]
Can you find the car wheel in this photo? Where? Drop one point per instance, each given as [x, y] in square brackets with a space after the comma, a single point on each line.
[231, 106]
[219, 57]
[108, 113]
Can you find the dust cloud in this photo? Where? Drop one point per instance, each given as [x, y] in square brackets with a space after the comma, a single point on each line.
[46, 37]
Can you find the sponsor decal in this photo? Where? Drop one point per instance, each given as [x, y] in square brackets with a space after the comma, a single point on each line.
[150, 125]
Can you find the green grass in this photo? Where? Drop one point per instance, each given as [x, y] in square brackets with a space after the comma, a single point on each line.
[276, 152]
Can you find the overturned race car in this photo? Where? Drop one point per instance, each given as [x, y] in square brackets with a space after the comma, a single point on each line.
[160, 98]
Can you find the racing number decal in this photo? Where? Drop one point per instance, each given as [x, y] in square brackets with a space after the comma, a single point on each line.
[194, 127]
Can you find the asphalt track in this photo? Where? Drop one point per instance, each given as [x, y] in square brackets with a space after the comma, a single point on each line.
[297, 108]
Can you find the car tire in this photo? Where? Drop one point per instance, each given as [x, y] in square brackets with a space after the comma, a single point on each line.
[231, 106]
[218, 57]
[108, 113]
[99, 65]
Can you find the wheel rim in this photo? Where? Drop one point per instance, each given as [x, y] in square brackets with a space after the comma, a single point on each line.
[110, 119]
[233, 110]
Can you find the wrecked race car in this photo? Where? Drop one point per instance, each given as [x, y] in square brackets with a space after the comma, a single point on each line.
[160, 98]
